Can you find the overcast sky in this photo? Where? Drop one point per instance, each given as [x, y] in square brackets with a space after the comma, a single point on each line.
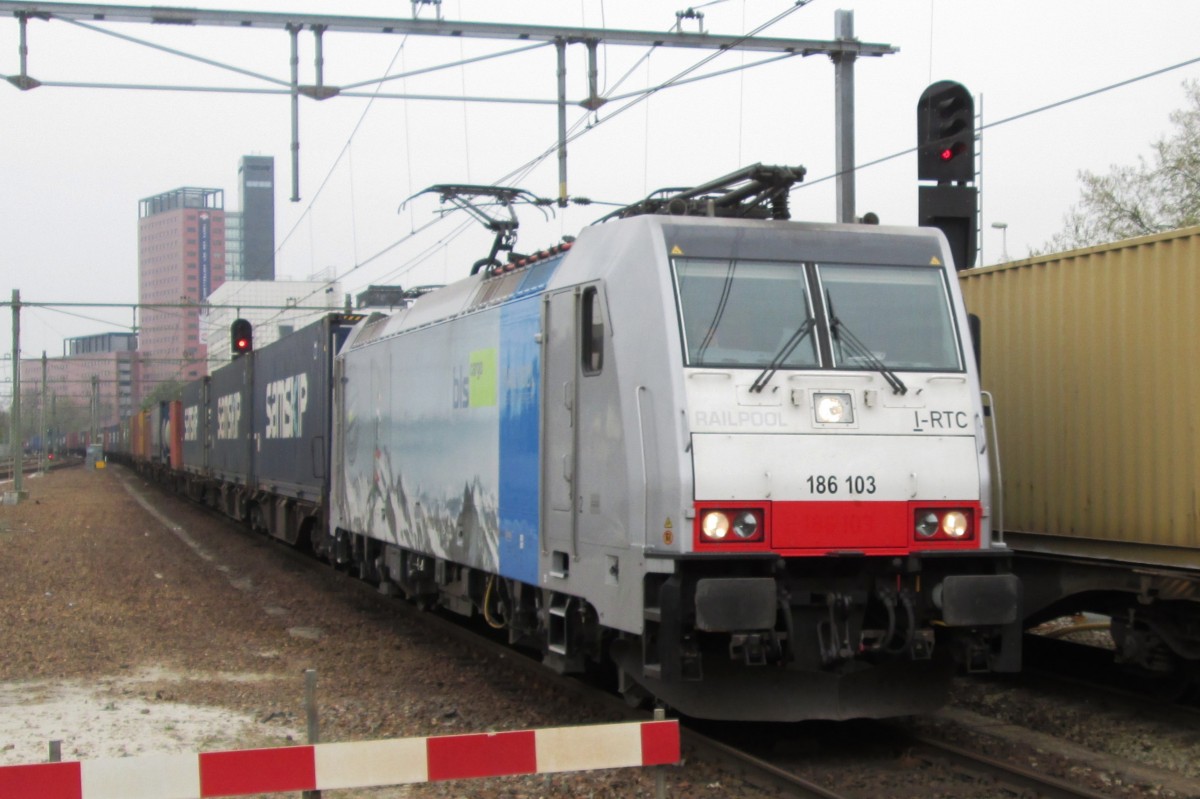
[75, 162]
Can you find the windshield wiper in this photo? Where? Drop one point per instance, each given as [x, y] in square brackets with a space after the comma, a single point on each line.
[857, 348]
[722, 301]
[788, 347]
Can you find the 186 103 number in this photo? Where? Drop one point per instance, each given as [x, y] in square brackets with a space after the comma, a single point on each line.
[833, 484]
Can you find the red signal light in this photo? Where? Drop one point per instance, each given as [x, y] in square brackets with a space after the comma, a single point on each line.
[241, 337]
[948, 153]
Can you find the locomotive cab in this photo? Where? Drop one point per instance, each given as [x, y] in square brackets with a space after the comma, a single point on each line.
[838, 539]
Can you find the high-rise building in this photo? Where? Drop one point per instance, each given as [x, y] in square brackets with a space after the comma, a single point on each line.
[233, 245]
[256, 193]
[181, 260]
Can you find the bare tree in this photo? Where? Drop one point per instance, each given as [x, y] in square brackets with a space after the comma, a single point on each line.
[1154, 196]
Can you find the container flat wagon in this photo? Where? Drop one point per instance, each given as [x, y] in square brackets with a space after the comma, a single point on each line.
[291, 413]
[1090, 357]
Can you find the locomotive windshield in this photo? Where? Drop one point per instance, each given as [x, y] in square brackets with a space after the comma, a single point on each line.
[744, 313]
[900, 313]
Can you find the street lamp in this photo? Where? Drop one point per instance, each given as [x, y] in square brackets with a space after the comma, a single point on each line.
[1003, 228]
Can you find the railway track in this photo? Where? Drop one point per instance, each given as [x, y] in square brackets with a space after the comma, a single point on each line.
[910, 765]
[774, 774]
[30, 466]
[1004, 773]
[781, 775]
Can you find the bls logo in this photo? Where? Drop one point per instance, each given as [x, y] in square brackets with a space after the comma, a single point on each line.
[463, 380]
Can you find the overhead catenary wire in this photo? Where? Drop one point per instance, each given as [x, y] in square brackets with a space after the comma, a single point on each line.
[285, 86]
[677, 80]
[1006, 120]
[651, 91]
[329, 174]
[574, 134]
[641, 96]
[1021, 115]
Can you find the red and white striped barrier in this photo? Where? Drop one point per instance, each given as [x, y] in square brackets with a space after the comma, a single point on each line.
[364, 764]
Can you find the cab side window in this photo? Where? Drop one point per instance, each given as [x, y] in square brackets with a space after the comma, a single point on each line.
[592, 327]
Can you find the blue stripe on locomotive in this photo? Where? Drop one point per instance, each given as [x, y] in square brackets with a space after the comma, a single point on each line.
[520, 426]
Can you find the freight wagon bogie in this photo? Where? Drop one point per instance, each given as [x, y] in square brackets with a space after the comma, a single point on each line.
[288, 519]
[1153, 614]
[1163, 639]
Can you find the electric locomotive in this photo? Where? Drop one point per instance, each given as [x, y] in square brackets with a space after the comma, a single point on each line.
[743, 459]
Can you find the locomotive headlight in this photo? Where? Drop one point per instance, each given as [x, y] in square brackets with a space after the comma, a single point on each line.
[954, 524]
[831, 408]
[943, 524]
[715, 525]
[927, 524]
[745, 525]
[732, 527]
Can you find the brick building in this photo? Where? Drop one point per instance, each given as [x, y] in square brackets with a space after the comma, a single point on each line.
[100, 372]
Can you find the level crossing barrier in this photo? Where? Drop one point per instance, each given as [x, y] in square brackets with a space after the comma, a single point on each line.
[355, 764]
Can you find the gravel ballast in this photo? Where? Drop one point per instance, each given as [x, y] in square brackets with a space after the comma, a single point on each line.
[135, 623]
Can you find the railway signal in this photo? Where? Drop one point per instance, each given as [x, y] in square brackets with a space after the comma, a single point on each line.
[241, 337]
[946, 154]
[946, 134]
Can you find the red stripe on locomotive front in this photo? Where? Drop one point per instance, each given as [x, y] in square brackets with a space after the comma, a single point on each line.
[818, 527]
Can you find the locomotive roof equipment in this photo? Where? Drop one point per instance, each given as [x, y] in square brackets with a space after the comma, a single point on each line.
[471, 198]
[753, 192]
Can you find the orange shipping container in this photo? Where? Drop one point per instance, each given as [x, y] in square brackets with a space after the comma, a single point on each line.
[176, 433]
[140, 435]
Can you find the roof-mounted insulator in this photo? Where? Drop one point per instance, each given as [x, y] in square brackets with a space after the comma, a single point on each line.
[755, 192]
[529, 260]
